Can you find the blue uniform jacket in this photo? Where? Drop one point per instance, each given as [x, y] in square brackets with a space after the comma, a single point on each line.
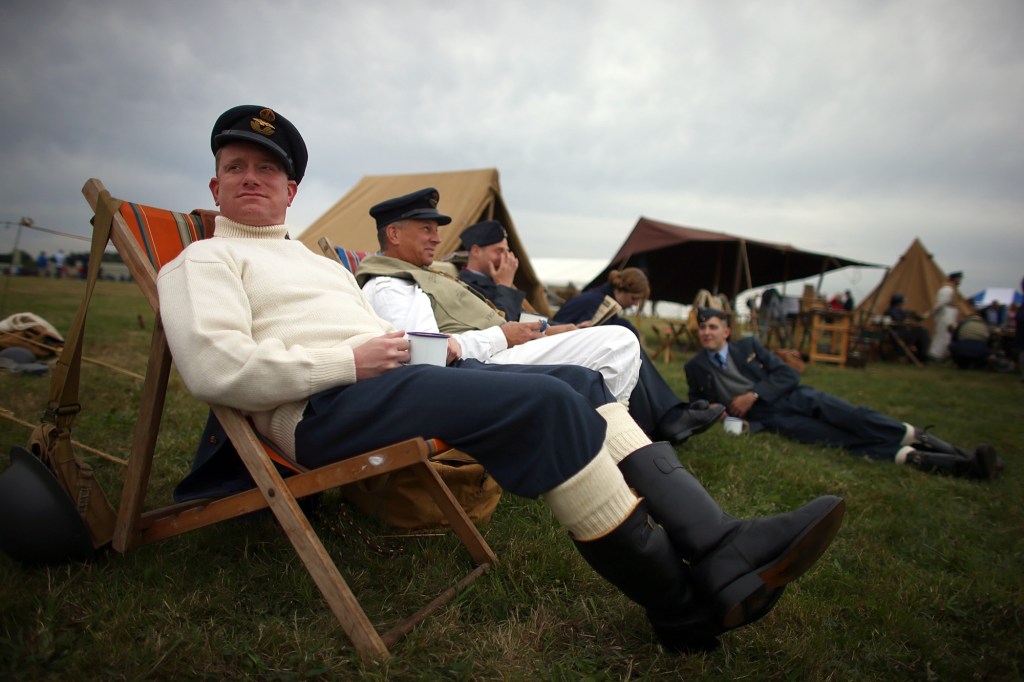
[773, 379]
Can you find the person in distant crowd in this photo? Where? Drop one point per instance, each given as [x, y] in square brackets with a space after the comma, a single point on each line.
[260, 323]
[42, 264]
[971, 347]
[757, 386]
[1019, 340]
[994, 314]
[58, 264]
[945, 313]
[848, 301]
[405, 292]
[907, 326]
[836, 302]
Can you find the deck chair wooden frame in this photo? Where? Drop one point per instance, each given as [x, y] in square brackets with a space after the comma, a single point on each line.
[141, 252]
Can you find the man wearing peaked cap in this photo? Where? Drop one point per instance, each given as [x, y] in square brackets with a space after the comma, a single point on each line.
[946, 314]
[264, 127]
[260, 323]
[419, 205]
[405, 292]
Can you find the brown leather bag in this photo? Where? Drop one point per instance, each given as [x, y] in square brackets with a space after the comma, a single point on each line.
[399, 500]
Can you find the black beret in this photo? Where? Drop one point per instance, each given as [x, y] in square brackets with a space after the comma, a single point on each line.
[705, 314]
[956, 275]
[484, 233]
[420, 205]
[267, 128]
[896, 298]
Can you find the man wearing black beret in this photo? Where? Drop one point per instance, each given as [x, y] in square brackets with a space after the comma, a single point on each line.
[260, 323]
[491, 267]
[755, 385]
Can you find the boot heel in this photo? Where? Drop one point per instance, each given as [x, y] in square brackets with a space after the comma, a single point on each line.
[743, 601]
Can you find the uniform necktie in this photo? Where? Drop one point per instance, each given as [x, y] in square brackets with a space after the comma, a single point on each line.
[719, 360]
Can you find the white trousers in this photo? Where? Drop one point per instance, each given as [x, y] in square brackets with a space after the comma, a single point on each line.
[611, 350]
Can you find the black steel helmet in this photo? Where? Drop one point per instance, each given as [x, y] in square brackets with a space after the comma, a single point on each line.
[38, 521]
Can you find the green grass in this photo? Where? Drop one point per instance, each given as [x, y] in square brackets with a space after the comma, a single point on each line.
[923, 582]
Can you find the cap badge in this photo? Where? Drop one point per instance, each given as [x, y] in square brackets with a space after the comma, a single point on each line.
[263, 124]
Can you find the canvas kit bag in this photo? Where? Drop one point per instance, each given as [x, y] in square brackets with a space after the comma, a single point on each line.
[400, 501]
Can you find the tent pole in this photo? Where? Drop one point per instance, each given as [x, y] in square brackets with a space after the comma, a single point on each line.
[741, 260]
[718, 268]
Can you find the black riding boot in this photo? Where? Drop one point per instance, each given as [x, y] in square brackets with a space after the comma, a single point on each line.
[638, 558]
[982, 464]
[929, 443]
[742, 566]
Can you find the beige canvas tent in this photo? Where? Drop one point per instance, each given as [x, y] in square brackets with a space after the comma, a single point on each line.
[917, 277]
[467, 196]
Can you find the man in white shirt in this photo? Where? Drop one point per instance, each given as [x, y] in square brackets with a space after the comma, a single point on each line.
[402, 289]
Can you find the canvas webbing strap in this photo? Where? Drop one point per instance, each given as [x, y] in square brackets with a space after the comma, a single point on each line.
[63, 402]
[51, 440]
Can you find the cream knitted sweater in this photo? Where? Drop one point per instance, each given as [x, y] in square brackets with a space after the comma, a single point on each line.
[261, 323]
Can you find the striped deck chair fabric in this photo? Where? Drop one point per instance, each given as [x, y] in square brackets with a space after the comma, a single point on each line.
[163, 234]
[351, 259]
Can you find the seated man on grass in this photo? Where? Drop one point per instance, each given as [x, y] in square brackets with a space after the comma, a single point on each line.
[402, 290]
[755, 385]
[258, 322]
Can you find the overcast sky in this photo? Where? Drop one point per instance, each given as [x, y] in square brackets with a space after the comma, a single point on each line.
[840, 127]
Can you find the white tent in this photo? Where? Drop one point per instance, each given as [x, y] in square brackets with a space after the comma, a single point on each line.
[1004, 295]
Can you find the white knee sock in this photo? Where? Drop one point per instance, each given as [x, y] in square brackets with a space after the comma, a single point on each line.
[901, 455]
[594, 501]
[910, 436]
[623, 437]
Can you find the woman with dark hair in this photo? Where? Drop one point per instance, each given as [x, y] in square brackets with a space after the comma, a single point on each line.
[629, 287]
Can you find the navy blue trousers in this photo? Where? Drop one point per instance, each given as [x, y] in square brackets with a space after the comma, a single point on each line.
[652, 401]
[532, 427]
[811, 416]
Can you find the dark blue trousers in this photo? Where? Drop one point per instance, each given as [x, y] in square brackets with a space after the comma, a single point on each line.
[811, 416]
[532, 427]
[652, 401]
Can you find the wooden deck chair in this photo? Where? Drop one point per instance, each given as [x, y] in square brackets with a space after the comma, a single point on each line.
[146, 238]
